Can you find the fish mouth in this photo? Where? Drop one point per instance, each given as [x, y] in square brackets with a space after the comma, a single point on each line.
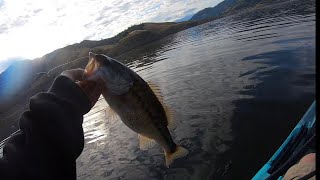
[92, 64]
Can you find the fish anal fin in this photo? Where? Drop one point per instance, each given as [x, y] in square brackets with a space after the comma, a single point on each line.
[145, 142]
[111, 115]
[156, 90]
[170, 117]
[179, 153]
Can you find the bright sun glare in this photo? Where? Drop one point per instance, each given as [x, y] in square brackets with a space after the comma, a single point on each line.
[41, 33]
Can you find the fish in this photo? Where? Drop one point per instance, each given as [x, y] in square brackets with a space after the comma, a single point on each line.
[138, 103]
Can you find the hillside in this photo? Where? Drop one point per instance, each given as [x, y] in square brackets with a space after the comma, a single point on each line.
[185, 18]
[216, 11]
[228, 7]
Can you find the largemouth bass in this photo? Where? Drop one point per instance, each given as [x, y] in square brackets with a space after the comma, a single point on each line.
[136, 103]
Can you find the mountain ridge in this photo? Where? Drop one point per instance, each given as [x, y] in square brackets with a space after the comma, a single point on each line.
[215, 11]
[228, 7]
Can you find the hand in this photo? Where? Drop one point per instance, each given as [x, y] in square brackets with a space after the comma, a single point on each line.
[92, 89]
[304, 167]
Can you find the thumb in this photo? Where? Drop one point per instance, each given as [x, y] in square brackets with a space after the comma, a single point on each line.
[92, 89]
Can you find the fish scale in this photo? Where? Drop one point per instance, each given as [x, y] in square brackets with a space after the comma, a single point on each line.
[162, 127]
[139, 101]
[135, 93]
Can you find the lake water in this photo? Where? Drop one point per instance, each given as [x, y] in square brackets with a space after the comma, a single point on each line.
[238, 85]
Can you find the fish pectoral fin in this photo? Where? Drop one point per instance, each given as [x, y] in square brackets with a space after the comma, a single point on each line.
[145, 142]
[170, 117]
[156, 90]
[179, 153]
[111, 115]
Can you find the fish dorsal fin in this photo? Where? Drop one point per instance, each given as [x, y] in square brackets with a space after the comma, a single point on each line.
[156, 90]
[170, 117]
[169, 112]
[111, 115]
[145, 142]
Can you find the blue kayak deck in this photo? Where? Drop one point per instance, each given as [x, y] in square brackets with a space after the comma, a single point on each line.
[299, 135]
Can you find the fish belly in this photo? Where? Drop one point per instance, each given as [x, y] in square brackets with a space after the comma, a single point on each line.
[144, 115]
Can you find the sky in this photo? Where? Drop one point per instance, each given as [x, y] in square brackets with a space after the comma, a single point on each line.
[33, 28]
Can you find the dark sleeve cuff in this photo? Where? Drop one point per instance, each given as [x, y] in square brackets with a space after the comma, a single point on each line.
[67, 90]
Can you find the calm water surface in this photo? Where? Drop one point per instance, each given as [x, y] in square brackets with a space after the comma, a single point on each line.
[237, 85]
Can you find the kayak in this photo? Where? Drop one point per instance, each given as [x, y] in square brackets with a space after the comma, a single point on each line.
[300, 141]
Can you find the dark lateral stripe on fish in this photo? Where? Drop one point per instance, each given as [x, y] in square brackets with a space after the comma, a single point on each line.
[135, 93]
[159, 125]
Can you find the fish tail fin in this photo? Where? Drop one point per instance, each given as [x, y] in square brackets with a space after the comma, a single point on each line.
[179, 153]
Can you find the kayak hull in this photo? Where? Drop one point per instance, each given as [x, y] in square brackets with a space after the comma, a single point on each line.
[298, 136]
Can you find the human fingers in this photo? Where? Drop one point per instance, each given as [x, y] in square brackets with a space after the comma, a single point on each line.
[92, 89]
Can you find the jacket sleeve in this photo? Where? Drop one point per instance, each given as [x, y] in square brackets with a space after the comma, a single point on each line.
[51, 135]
